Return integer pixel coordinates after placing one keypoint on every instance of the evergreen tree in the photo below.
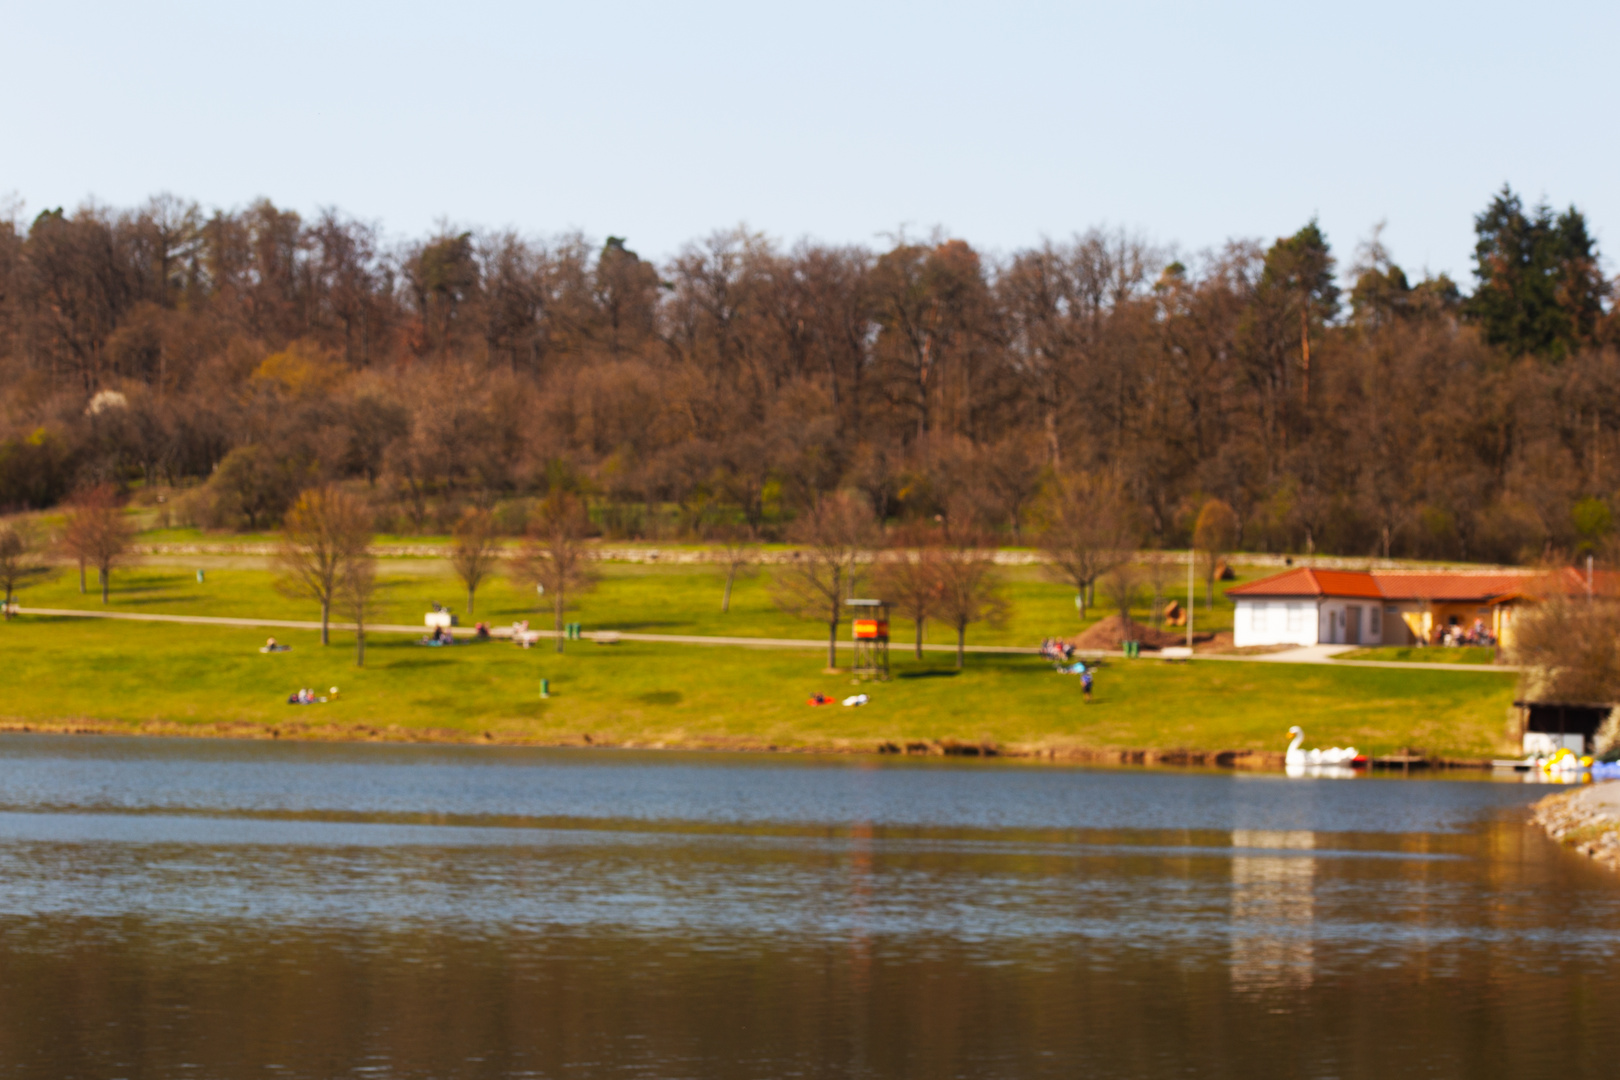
(1297, 285)
(1540, 290)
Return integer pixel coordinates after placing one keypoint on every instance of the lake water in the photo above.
(218, 909)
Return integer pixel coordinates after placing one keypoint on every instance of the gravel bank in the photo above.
(1587, 819)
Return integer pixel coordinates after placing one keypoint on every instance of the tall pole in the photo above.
(1192, 597)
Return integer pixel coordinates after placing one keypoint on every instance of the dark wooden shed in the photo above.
(1563, 718)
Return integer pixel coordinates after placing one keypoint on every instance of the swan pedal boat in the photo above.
(1343, 756)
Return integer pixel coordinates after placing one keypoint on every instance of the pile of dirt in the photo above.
(1110, 635)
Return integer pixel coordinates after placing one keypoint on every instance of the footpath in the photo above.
(1317, 654)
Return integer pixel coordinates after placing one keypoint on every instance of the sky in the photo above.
(1002, 124)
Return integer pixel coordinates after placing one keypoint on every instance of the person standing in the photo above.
(1085, 684)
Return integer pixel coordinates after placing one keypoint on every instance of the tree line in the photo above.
(235, 359)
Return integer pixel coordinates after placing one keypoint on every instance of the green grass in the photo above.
(1464, 654)
(124, 676)
(137, 676)
(646, 598)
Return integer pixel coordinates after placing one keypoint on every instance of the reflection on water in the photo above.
(174, 909)
(1273, 909)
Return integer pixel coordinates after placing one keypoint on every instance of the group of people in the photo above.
(442, 636)
(306, 696)
(1061, 654)
(1058, 651)
(1457, 634)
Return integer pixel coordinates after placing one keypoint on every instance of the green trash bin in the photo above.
(1133, 649)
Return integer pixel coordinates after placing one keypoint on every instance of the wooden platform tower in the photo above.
(870, 629)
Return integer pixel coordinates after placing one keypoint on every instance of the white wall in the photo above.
(1274, 622)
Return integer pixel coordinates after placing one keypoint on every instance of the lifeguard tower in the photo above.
(870, 630)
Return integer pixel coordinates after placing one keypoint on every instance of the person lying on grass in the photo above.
(271, 645)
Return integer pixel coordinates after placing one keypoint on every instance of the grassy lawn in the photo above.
(1463, 654)
(123, 676)
(647, 598)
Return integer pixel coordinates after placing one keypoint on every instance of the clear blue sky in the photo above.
(1000, 123)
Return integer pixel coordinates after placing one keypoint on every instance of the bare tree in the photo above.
(474, 550)
(19, 562)
(969, 590)
(1009, 474)
(837, 535)
(356, 588)
(556, 557)
(1122, 587)
(1214, 535)
(1161, 572)
(1087, 531)
(1569, 649)
(96, 534)
(739, 547)
(326, 530)
(909, 577)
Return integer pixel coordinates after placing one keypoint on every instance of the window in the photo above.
(1257, 616)
(1375, 621)
(1296, 618)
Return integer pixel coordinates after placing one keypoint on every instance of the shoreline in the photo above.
(1227, 760)
(1586, 819)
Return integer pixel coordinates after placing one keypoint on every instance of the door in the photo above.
(1352, 625)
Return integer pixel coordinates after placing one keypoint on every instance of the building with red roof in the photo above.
(1311, 606)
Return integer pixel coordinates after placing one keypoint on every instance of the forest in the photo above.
(233, 358)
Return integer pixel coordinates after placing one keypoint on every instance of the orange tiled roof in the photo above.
(1307, 581)
(1432, 586)
(1401, 585)
(1412, 585)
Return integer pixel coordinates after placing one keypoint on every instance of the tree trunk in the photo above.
(469, 599)
(359, 645)
(104, 573)
(326, 619)
(919, 638)
(1305, 349)
(832, 644)
(82, 589)
(557, 601)
(961, 643)
(725, 602)
(8, 605)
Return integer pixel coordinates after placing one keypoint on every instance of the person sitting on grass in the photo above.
(270, 645)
